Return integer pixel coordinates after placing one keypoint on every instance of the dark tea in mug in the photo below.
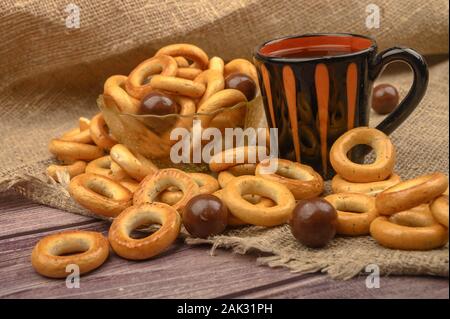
(316, 87)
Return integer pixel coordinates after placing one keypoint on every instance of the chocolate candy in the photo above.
(384, 99)
(314, 222)
(205, 215)
(157, 103)
(243, 83)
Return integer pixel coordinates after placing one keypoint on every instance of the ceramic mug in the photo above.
(315, 87)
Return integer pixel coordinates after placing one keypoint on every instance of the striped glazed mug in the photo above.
(315, 87)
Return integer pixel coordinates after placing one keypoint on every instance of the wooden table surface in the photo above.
(181, 272)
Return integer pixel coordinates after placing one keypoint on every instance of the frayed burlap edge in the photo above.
(343, 259)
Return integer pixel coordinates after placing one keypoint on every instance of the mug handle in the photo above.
(418, 88)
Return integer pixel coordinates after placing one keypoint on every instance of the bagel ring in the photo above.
(100, 194)
(137, 166)
(242, 169)
(131, 218)
(181, 62)
(256, 200)
(104, 166)
(439, 209)
(130, 184)
(100, 132)
(234, 156)
(189, 51)
(188, 73)
(417, 235)
(411, 193)
(214, 82)
(84, 123)
(153, 185)
(300, 179)
(73, 170)
(340, 185)
(216, 64)
(135, 84)
(222, 99)
(178, 86)
(206, 183)
(74, 150)
(114, 92)
(355, 212)
(241, 66)
(77, 135)
(379, 170)
(90, 250)
(260, 216)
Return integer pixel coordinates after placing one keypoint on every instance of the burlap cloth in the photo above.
(50, 75)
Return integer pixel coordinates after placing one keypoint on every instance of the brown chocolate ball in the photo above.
(384, 99)
(314, 222)
(243, 83)
(157, 103)
(205, 215)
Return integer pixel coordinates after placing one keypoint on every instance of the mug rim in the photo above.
(257, 54)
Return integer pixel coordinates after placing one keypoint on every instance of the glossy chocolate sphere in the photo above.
(243, 83)
(384, 99)
(205, 215)
(314, 222)
(157, 103)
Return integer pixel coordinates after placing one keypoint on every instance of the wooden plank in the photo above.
(182, 272)
(317, 286)
(20, 216)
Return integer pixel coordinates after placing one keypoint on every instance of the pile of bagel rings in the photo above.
(114, 182)
(372, 199)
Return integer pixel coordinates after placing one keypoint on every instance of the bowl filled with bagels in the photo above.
(180, 84)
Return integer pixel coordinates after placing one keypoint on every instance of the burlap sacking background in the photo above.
(50, 75)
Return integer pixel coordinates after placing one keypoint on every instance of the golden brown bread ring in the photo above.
(239, 170)
(144, 214)
(84, 123)
(135, 84)
(411, 193)
(216, 64)
(241, 66)
(130, 184)
(104, 166)
(77, 135)
(100, 132)
(100, 194)
(234, 156)
(181, 62)
(222, 99)
(74, 151)
(214, 82)
(340, 185)
(73, 169)
(206, 183)
(416, 237)
(189, 51)
(256, 215)
(355, 212)
(188, 73)
(439, 209)
(153, 185)
(300, 179)
(116, 97)
(178, 86)
(137, 166)
(89, 250)
(379, 170)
